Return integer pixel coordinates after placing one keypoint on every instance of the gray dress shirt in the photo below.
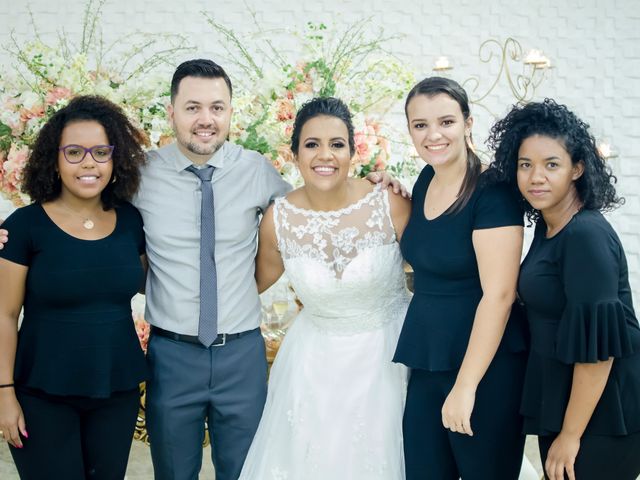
(244, 183)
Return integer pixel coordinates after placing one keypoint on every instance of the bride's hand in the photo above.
(457, 408)
(387, 180)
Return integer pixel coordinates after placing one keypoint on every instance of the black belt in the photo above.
(220, 340)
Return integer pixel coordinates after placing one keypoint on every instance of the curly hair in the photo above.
(596, 185)
(41, 180)
(327, 106)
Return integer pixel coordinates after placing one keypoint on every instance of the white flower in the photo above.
(30, 99)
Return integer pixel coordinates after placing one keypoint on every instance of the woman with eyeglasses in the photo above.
(69, 376)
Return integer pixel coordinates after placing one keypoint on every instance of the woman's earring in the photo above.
(113, 179)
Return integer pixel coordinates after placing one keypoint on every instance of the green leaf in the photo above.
(5, 130)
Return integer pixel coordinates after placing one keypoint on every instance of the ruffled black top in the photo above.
(447, 286)
(77, 336)
(575, 288)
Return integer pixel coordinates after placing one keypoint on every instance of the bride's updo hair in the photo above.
(327, 106)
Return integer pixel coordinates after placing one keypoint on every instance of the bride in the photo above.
(335, 402)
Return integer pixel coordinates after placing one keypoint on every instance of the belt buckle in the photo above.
(221, 344)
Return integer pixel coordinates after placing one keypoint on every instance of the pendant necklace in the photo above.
(87, 223)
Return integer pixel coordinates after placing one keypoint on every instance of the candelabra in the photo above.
(534, 67)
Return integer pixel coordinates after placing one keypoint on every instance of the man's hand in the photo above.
(388, 180)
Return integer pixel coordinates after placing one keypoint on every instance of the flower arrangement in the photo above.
(350, 66)
(45, 77)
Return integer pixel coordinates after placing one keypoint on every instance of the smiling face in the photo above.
(87, 179)
(438, 128)
(323, 152)
(200, 115)
(546, 175)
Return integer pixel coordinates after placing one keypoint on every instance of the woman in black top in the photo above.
(582, 387)
(464, 241)
(69, 377)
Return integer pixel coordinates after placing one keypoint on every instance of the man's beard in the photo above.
(203, 149)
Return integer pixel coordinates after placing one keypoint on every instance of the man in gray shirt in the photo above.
(224, 384)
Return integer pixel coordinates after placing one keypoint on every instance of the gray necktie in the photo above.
(208, 322)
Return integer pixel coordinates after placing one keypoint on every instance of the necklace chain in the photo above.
(87, 223)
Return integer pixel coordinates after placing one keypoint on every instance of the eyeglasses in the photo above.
(76, 153)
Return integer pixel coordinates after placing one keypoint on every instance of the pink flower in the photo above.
(363, 145)
(381, 160)
(36, 111)
(11, 172)
(277, 163)
(57, 93)
(285, 110)
(285, 153)
(363, 151)
(16, 160)
(284, 156)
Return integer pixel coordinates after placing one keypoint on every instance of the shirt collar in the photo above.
(181, 162)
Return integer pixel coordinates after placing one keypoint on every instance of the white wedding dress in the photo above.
(335, 402)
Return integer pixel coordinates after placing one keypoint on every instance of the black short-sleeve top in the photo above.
(447, 286)
(77, 336)
(575, 288)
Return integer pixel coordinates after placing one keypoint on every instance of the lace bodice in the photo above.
(344, 265)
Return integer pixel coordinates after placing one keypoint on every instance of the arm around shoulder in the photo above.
(400, 208)
(269, 182)
(269, 266)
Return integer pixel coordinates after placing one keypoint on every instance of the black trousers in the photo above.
(496, 448)
(76, 438)
(601, 456)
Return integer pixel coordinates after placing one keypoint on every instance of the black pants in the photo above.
(495, 450)
(76, 438)
(601, 456)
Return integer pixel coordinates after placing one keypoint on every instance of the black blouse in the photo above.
(576, 291)
(77, 336)
(447, 286)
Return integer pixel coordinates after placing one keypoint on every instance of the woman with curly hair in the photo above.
(582, 386)
(69, 377)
